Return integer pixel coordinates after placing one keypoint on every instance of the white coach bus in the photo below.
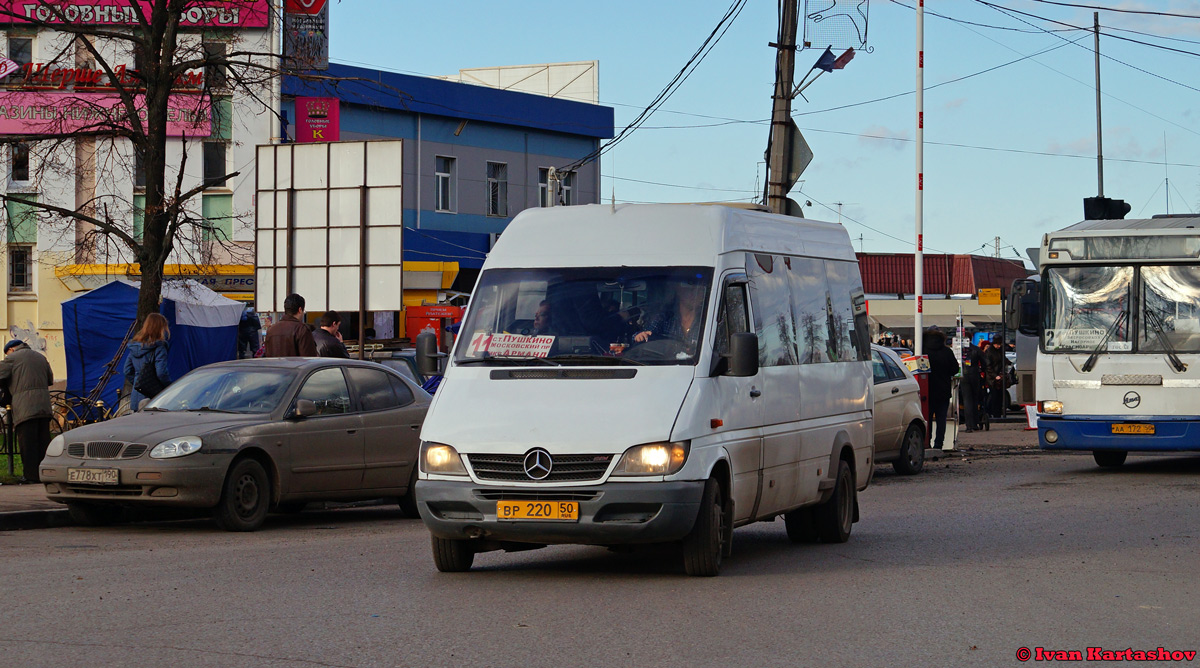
(1118, 366)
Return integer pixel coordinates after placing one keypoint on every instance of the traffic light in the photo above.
(1103, 208)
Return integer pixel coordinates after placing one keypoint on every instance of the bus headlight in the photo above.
(653, 459)
(440, 458)
(1052, 407)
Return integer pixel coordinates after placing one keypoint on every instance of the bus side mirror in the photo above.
(428, 356)
(743, 355)
(1022, 312)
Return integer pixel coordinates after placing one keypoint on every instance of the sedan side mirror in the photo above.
(743, 354)
(142, 404)
(304, 408)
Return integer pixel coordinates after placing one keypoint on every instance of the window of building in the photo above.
(217, 145)
(18, 168)
(22, 218)
(20, 268)
(139, 170)
(218, 217)
(20, 50)
(215, 76)
(567, 189)
(543, 186)
(497, 189)
(444, 184)
(139, 216)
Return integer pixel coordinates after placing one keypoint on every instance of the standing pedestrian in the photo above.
(28, 376)
(290, 337)
(942, 369)
(328, 336)
(994, 363)
(972, 387)
(146, 367)
(248, 333)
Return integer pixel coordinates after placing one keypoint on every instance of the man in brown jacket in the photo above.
(28, 376)
(290, 337)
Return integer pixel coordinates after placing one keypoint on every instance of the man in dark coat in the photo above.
(29, 377)
(290, 337)
(248, 336)
(971, 388)
(994, 368)
(942, 368)
(328, 338)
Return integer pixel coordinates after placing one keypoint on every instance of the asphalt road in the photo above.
(962, 565)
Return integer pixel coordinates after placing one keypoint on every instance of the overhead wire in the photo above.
(1146, 12)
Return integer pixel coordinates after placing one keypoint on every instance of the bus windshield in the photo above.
(1082, 305)
(1170, 298)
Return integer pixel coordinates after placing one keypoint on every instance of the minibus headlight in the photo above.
(653, 459)
(440, 458)
(1054, 407)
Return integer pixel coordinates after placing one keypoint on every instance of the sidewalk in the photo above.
(26, 507)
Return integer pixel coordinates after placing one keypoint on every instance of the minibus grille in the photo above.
(566, 468)
(571, 374)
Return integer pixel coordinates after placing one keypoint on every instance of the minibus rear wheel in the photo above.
(835, 517)
(705, 545)
(452, 556)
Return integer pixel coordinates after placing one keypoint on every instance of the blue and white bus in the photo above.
(1118, 362)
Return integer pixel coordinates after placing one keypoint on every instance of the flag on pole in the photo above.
(826, 61)
(843, 59)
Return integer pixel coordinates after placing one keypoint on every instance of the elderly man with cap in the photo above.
(28, 377)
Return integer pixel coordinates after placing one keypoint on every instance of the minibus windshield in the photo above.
(586, 315)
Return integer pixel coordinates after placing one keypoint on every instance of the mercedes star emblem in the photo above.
(538, 464)
(1131, 400)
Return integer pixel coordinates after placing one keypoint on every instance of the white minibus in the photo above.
(636, 374)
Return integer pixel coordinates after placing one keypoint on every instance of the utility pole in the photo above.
(1099, 134)
(781, 113)
(997, 247)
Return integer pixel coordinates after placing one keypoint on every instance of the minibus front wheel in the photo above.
(705, 545)
(452, 556)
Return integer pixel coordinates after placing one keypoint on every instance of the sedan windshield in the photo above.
(586, 315)
(225, 390)
(1085, 307)
(1170, 309)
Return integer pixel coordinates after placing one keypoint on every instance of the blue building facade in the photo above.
(474, 156)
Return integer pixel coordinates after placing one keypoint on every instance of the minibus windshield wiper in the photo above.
(1103, 345)
(507, 361)
(1156, 322)
(601, 359)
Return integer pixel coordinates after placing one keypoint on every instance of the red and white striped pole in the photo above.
(919, 258)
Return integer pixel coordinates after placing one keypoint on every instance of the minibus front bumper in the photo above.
(609, 514)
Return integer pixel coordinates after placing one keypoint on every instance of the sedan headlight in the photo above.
(56, 446)
(1054, 407)
(653, 459)
(440, 458)
(176, 447)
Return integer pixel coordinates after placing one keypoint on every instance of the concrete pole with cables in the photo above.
(781, 113)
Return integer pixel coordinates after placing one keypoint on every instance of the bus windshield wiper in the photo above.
(1103, 345)
(599, 359)
(1156, 322)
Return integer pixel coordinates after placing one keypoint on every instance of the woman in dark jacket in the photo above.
(148, 354)
(942, 368)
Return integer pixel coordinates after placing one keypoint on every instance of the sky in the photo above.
(1010, 150)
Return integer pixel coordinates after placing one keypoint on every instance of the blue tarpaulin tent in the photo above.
(204, 329)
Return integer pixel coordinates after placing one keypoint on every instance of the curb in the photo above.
(34, 519)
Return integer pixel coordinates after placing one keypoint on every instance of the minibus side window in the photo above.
(810, 294)
(731, 317)
(841, 323)
(772, 301)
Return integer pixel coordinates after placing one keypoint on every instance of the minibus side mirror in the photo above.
(743, 355)
(428, 356)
